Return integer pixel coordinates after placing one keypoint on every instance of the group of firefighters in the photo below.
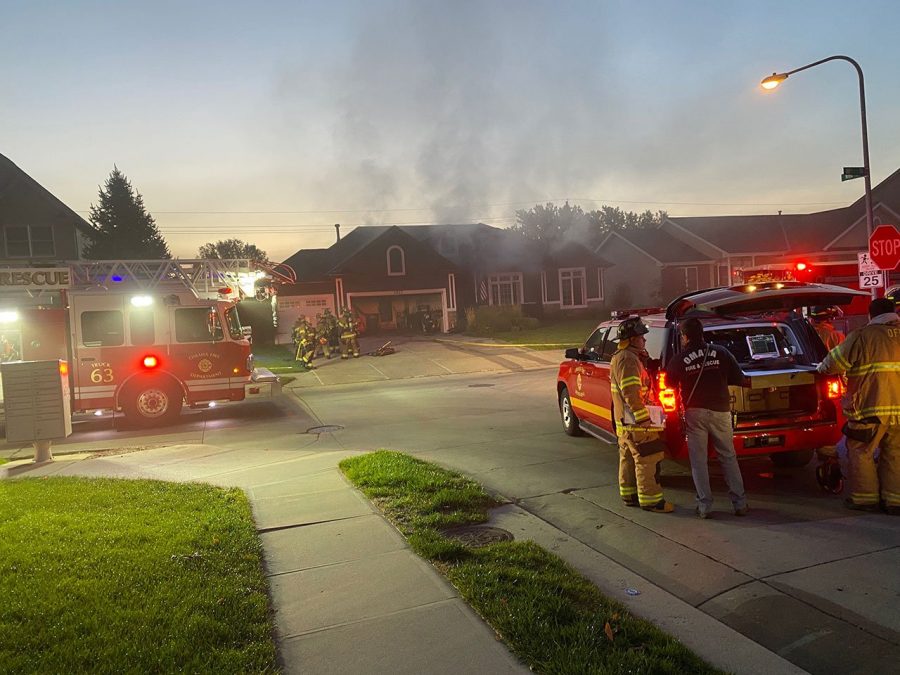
(330, 335)
(869, 361)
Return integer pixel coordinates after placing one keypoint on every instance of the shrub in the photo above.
(490, 319)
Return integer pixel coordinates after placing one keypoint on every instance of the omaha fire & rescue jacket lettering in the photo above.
(870, 356)
(630, 384)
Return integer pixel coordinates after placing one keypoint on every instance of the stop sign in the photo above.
(884, 247)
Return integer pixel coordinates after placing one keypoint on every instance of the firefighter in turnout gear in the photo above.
(822, 317)
(323, 342)
(640, 450)
(349, 341)
(332, 330)
(305, 341)
(870, 357)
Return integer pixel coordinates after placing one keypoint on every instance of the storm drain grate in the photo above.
(479, 386)
(476, 536)
(325, 429)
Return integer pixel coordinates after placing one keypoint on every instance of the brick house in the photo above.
(388, 273)
(657, 264)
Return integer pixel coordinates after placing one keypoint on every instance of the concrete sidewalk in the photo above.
(349, 595)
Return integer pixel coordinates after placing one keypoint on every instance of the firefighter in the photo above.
(349, 341)
(870, 356)
(640, 450)
(306, 342)
(822, 321)
(323, 343)
(332, 331)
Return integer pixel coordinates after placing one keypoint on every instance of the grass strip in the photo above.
(571, 333)
(106, 575)
(277, 358)
(553, 618)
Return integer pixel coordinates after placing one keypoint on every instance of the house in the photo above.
(389, 273)
(38, 230)
(655, 265)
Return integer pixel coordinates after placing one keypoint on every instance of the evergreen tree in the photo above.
(124, 229)
(232, 249)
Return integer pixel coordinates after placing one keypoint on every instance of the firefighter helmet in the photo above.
(823, 313)
(829, 475)
(632, 327)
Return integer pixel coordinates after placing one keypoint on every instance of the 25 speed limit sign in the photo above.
(869, 274)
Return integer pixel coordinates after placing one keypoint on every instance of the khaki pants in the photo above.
(868, 482)
(637, 474)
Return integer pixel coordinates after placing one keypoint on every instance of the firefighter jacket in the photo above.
(630, 384)
(830, 336)
(870, 357)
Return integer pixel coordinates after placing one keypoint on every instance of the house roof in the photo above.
(470, 245)
(13, 179)
(661, 245)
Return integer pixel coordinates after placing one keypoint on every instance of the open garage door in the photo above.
(401, 311)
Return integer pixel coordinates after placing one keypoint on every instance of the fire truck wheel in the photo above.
(794, 458)
(152, 403)
(569, 420)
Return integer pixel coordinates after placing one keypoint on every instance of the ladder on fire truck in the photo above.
(208, 277)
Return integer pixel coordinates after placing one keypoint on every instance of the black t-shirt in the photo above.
(721, 370)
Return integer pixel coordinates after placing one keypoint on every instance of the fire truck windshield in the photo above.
(233, 321)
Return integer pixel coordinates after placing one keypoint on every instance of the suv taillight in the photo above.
(834, 388)
(667, 397)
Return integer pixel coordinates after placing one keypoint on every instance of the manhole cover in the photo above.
(477, 536)
(324, 429)
(479, 386)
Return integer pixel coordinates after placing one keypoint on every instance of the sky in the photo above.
(271, 121)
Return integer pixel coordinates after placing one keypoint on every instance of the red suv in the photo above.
(790, 409)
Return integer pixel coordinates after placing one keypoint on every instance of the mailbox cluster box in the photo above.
(36, 398)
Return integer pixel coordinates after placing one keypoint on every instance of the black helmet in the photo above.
(829, 476)
(821, 312)
(631, 327)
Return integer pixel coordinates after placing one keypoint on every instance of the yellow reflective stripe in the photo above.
(649, 499)
(873, 410)
(888, 493)
(634, 379)
(877, 367)
(839, 358)
(627, 491)
(598, 410)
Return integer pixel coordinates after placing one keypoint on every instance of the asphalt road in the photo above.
(802, 576)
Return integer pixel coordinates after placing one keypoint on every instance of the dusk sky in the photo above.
(271, 121)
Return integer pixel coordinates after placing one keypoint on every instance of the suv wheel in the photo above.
(794, 458)
(569, 419)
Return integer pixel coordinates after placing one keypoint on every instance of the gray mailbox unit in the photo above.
(38, 407)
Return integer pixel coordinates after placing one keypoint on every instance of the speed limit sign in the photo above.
(869, 274)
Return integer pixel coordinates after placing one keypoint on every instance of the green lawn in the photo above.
(554, 619)
(557, 335)
(277, 358)
(104, 575)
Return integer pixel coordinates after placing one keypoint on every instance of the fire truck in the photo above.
(144, 337)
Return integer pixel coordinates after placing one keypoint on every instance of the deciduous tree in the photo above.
(232, 249)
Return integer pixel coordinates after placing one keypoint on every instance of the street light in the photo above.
(776, 79)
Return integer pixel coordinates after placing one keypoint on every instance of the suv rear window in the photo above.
(656, 339)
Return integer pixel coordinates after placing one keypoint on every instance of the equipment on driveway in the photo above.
(383, 350)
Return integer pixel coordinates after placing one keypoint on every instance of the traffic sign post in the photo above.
(884, 247)
(869, 275)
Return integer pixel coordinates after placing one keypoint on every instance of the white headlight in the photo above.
(8, 316)
(142, 301)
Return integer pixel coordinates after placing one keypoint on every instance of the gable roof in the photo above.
(474, 246)
(659, 244)
(14, 180)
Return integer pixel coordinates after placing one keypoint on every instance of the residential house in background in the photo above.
(389, 273)
(655, 265)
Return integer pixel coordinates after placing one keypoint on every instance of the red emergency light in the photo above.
(801, 266)
(150, 362)
(667, 396)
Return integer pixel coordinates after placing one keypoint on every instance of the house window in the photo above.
(396, 262)
(599, 283)
(571, 287)
(29, 241)
(686, 279)
(506, 289)
(451, 284)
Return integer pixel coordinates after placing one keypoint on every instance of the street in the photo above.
(802, 576)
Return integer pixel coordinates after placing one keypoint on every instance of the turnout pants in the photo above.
(869, 482)
(637, 473)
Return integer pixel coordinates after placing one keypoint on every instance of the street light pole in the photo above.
(777, 78)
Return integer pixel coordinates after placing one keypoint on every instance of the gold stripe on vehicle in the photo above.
(599, 410)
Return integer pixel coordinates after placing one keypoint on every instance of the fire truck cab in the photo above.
(147, 338)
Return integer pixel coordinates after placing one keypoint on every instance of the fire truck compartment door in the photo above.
(763, 297)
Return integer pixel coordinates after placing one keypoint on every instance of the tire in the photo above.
(152, 403)
(567, 414)
(792, 459)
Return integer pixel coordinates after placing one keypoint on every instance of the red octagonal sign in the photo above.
(884, 247)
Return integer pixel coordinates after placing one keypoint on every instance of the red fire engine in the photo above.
(146, 337)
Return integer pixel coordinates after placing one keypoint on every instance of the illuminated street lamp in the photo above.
(775, 79)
